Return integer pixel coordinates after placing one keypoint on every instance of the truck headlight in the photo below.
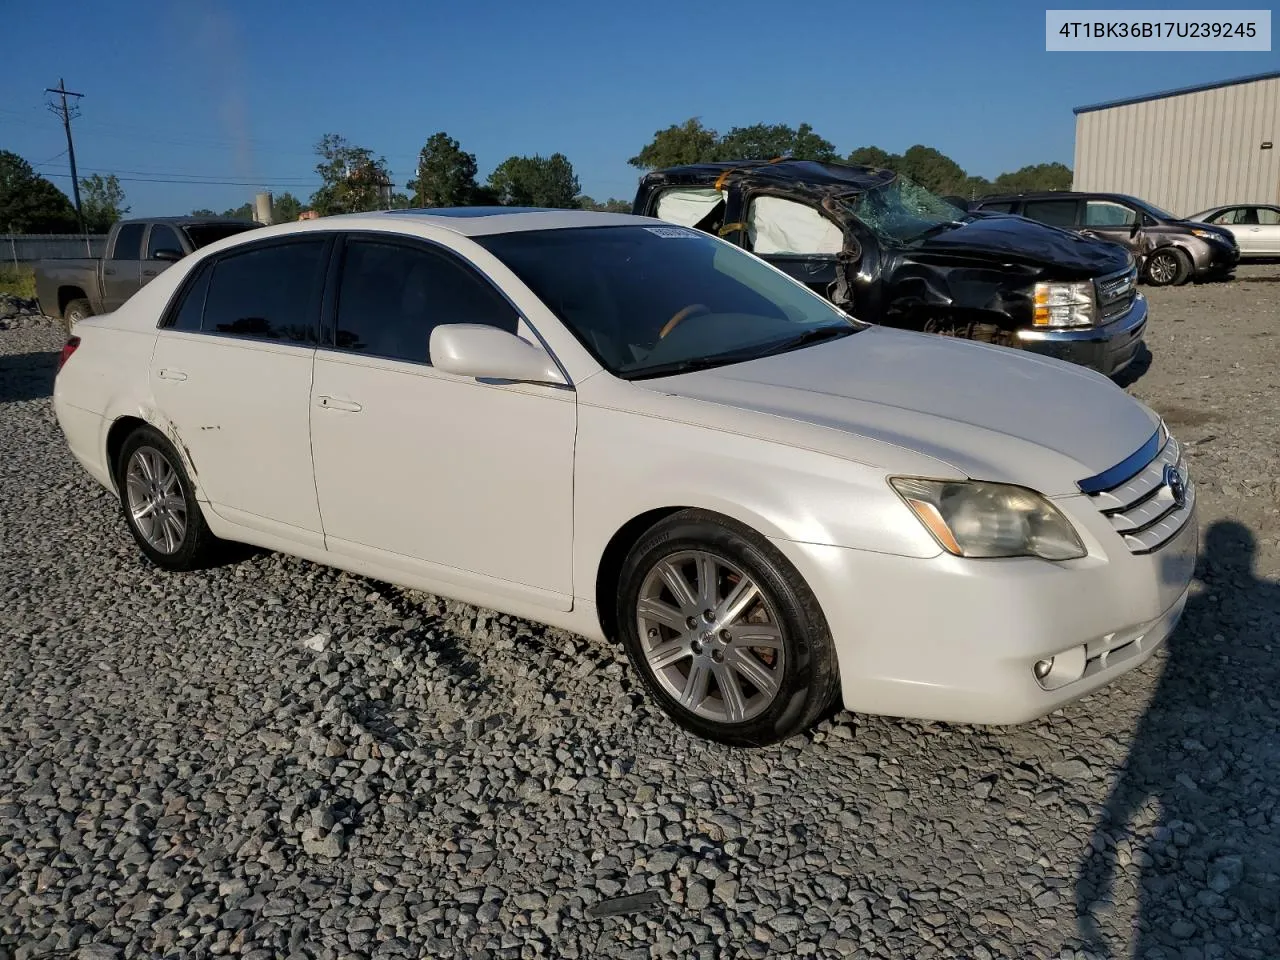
(974, 519)
(1064, 305)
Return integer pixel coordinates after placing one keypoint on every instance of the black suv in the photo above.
(888, 251)
(1170, 250)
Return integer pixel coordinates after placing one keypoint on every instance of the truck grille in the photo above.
(1115, 294)
(1150, 505)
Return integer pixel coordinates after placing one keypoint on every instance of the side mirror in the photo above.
(168, 254)
(487, 353)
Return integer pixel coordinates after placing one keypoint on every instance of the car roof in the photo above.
(474, 221)
(190, 220)
(834, 177)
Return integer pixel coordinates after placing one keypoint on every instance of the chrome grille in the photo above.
(1115, 293)
(1143, 507)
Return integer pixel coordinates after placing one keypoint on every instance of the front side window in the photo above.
(1104, 213)
(1003, 206)
(128, 242)
(776, 225)
(392, 295)
(1056, 213)
(162, 238)
(203, 234)
(652, 301)
(267, 293)
(901, 211)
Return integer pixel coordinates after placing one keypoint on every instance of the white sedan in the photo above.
(644, 434)
(1256, 227)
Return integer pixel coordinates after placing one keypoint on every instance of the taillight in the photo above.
(68, 349)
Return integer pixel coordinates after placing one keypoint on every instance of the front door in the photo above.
(122, 268)
(231, 372)
(1113, 221)
(795, 237)
(465, 481)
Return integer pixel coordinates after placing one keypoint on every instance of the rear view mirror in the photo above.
(167, 254)
(484, 352)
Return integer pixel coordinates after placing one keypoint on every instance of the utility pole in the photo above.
(65, 113)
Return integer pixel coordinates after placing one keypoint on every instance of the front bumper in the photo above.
(957, 640)
(1107, 349)
(1217, 260)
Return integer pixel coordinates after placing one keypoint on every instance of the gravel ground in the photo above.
(274, 759)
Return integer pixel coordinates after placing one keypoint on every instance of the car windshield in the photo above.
(203, 234)
(652, 301)
(902, 212)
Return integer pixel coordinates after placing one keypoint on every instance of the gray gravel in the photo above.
(274, 759)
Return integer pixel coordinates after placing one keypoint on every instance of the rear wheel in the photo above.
(726, 636)
(159, 503)
(1168, 267)
(76, 311)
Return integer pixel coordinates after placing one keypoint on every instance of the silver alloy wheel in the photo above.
(1163, 268)
(156, 503)
(710, 636)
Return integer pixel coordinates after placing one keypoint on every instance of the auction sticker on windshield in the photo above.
(675, 233)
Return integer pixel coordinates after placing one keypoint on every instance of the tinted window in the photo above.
(393, 295)
(1059, 213)
(1104, 213)
(128, 242)
(203, 234)
(162, 238)
(267, 293)
(191, 308)
(1001, 207)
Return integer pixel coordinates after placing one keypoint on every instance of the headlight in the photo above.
(974, 519)
(1064, 305)
(1210, 235)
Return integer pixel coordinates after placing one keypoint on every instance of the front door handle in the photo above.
(167, 374)
(333, 403)
(148, 273)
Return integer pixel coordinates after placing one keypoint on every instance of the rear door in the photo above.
(1261, 232)
(160, 237)
(122, 269)
(1057, 212)
(231, 372)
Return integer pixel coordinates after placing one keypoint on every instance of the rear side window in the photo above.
(190, 310)
(267, 293)
(393, 295)
(1005, 206)
(1268, 217)
(128, 242)
(1057, 213)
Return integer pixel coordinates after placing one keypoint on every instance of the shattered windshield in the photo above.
(901, 211)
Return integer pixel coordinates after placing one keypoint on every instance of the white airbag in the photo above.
(687, 206)
(776, 225)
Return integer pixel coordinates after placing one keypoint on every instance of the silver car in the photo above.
(1256, 227)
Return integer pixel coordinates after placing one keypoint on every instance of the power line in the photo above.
(62, 110)
(210, 183)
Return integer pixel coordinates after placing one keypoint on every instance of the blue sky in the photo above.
(232, 90)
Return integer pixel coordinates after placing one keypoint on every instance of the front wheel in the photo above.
(1168, 267)
(726, 636)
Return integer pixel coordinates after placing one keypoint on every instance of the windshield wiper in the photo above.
(687, 366)
(815, 335)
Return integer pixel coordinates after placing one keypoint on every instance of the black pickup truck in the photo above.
(890, 252)
(137, 251)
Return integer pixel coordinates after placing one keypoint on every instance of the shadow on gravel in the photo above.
(1203, 775)
(1140, 364)
(26, 376)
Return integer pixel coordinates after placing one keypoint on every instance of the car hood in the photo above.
(991, 413)
(1025, 241)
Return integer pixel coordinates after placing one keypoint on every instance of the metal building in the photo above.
(1185, 150)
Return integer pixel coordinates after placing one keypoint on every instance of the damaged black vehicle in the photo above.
(888, 251)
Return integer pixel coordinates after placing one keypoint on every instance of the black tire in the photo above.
(1167, 267)
(75, 311)
(806, 678)
(197, 547)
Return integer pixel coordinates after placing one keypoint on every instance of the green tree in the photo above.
(932, 169)
(204, 212)
(609, 206)
(1040, 176)
(875, 157)
(536, 182)
(29, 203)
(285, 208)
(688, 142)
(446, 174)
(101, 202)
(765, 141)
(352, 179)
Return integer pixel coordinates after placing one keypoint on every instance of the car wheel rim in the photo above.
(1162, 268)
(711, 637)
(156, 504)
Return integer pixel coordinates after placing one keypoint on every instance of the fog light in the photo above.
(1042, 668)
(1064, 667)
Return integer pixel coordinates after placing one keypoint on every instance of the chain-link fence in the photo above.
(25, 248)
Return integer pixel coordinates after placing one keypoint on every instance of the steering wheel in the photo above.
(681, 316)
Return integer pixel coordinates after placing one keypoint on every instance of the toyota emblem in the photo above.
(1177, 486)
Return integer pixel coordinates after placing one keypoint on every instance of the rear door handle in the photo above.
(333, 403)
(166, 374)
(148, 273)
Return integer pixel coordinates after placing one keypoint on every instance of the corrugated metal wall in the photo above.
(1185, 152)
(29, 247)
